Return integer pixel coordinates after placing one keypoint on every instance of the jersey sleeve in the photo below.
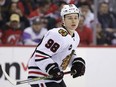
(51, 44)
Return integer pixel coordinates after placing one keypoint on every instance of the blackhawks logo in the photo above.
(63, 32)
(66, 60)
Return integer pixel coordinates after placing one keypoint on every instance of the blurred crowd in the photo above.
(24, 22)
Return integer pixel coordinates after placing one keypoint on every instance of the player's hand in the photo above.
(54, 70)
(78, 67)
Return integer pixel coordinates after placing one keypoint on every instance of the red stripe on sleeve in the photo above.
(40, 56)
(40, 73)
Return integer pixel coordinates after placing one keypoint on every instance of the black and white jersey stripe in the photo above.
(35, 71)
(39, 56)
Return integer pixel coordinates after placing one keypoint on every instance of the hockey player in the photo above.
(57, 51)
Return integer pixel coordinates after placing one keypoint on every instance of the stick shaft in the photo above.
(14, 82)
(38, 78)
(67, 72)
(33, 79)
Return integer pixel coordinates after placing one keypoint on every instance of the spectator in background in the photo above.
(0, 36)
(42, 11)
(34, 34)
(56, 13)
(105, 17)
(4, 6)
(15, 9)
(89, 2)
(86, 11)
(107, 20)
(103, 37)
(26, 6)
(85, 33)
(11, 31)
(59, 23)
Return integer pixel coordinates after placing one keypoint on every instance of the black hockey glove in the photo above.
(54, 70)
(78, 67)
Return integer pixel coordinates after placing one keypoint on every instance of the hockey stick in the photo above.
(14, 82)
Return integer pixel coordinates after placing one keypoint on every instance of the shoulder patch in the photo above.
(63, 32)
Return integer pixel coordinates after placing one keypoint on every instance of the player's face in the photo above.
(71, 21)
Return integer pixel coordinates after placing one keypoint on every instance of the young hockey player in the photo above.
(57, 51)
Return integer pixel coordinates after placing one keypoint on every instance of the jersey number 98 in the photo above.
(52, 45)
